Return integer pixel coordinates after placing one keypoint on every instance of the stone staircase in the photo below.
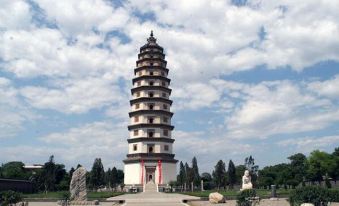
(150, 187)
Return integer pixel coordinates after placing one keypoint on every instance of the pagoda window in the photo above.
(151, 73)
(151, 83)
(151, 106)
(138, 94)
(165, 132)
(151, 94)
(151, 120)
(165, 119)
(150, 149)
(164, 94)
(139, 83)
(166, 147)
(151, 56)
(137, 106)
(150, 133)
(163, 84)
(162, 73)
(135, 147)
(164, 106)
(136, 119)
(136, 132)
(140, 73)
(151, 63)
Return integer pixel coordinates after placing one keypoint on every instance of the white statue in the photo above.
(246, 181)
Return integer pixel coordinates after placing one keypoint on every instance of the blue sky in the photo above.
(252, 77)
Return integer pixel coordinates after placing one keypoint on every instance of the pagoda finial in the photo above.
(151, 39)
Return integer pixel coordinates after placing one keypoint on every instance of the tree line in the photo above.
(220, 178)
(54, 177)
(319, 167)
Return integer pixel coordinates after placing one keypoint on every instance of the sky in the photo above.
(249, 77)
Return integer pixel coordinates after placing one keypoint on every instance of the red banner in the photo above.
(160, 171)
(142, 172)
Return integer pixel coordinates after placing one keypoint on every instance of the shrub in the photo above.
(245, 197)
(10, 197)
(334, 196)
(311, 194)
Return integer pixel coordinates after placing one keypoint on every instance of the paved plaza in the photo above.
(153, 198)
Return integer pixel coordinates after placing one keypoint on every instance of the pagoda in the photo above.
(150, 158)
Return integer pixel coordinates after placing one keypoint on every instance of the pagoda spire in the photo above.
(151, 39)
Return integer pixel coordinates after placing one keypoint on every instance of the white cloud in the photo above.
(12, 110)
(281, 107)
(195, 95)
(74, 96)
(78, 145)
(75, 17)
(14, 14)
(308, 144)
(208, 148)
(328, 88)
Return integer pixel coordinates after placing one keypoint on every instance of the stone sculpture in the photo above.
(216, 198)
(246, 181)
(78, 185)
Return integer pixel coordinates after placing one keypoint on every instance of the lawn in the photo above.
(231, 194)
(60, 195)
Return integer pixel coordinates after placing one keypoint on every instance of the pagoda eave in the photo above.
(149, 125)
(153, 112)
(148, 77)
(141, 88)
(151, 47)
(149, 139)
(151, 59)
(150, 99)
(151, 52)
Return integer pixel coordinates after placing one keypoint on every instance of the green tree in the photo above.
(189, 175)
(298, 166)
(195, 170)
(120, 176)
(239, 171)
(14, 170)
(108, 177)
(266, 177)
(335, 172)
(219, 174)
(206, 177)
(320, 164)
(231, 172)
(71, 171)
(252, 168)
(49, 175)
(208, 181)
(97, 174)
(181, 178)
(114, 177)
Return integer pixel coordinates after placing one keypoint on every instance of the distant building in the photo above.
(33, 168)
(24, 186)
(150, 155)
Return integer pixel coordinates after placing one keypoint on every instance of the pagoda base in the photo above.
(137, 173)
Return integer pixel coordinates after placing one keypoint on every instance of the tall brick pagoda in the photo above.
(150, 157)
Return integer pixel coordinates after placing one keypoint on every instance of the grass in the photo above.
(60, 195)
(262, 193)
